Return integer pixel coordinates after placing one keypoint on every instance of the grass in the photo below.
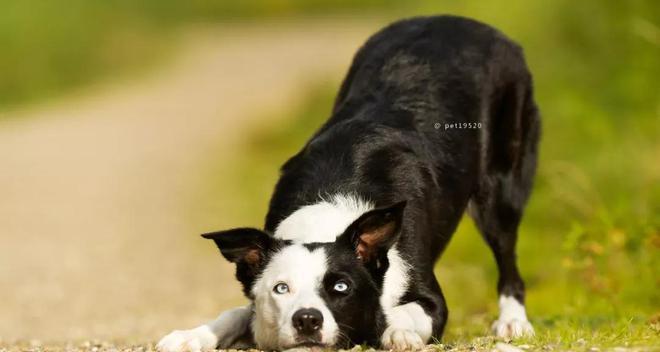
(590, 240)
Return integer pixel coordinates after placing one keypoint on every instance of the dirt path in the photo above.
(94, 238)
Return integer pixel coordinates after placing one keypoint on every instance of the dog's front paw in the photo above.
(194, 340)
(512, 328)
(401, 340)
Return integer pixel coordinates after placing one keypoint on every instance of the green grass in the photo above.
(589, 245)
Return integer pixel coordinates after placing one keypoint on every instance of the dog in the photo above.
(436, 117)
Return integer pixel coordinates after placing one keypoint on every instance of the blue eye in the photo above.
(281, 288)
(340, 286)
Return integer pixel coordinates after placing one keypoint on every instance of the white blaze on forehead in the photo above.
(302, 271)
(295, 265)
(322, 221)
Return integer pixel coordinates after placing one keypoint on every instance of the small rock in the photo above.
(356, 348)
(429, 348)
(297, 349)
(505, 347)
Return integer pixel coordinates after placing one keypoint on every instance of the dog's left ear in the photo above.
(375, 232)
(242, 245)
(248, 248)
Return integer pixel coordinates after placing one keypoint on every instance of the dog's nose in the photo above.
(307, 321)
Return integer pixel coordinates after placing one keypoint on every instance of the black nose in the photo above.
(307, 321)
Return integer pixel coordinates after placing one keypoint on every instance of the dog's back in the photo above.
(445, 72)
(441, 100)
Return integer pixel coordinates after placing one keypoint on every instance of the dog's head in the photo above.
(323, 294)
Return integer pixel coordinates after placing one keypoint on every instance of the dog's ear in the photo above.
(375, 232)
(246, 247)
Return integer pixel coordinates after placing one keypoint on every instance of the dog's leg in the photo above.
(497, 207)
(497, 219)
(507, 171)
(413, 314)
(222, 332)
(501, 234)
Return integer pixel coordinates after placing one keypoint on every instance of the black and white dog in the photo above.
(435, 116)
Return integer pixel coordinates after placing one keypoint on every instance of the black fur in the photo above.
(390, 139)
(381, 143)
(357, 313)
(250, 249)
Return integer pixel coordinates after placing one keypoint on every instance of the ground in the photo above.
(98, 188)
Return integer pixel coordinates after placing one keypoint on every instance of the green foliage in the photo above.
(51, 45)
(47, 47)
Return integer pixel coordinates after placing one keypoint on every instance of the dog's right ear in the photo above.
(375, 232)
(247, 246)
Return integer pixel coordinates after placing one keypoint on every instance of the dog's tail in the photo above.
(514, 129)
(509, 142)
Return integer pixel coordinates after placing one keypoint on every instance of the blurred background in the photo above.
(127, 128)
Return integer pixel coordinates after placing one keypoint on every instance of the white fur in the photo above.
(221, 332)
(303, 272)
(513, 319)
(401, 339)
(322, 221)
(408, 326)
(396, 279)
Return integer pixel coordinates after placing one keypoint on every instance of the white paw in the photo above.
(194, 340)
(401, 340)
(512, 328)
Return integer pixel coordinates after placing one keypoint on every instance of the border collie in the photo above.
(435, 117)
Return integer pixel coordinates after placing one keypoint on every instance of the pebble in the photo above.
(505, 347)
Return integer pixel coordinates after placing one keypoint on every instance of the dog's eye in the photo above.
(340, 286)
(281, 288)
